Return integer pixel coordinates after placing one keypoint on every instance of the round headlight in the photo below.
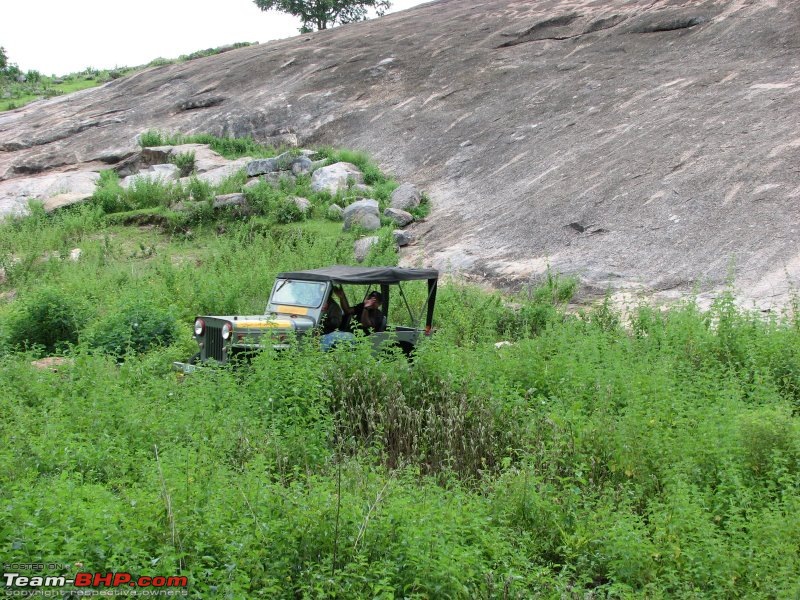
(199, 327)
(227, 329)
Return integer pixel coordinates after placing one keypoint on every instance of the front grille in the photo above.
(214, 342)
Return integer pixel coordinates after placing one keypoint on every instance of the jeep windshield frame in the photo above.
(293, 292)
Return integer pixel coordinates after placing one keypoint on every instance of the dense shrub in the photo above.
(49, 318)
(137, 327)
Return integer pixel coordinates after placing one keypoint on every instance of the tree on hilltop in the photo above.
(321, 14)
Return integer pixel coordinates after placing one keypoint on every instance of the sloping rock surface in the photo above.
(639, 144)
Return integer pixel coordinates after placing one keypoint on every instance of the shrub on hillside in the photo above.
(48, 319)
(138, 327)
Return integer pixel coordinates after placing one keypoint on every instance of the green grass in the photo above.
(228, 147)
(655, 455)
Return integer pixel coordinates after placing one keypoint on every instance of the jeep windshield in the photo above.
(298, 293)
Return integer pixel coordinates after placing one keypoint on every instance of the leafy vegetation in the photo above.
(321, 14)
(18, 88)
(599, 455)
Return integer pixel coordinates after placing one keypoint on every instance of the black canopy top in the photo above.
(363, 275)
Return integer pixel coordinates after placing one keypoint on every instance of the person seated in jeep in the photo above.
(368, 313)
(332, 314)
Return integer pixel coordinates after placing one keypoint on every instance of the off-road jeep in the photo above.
(296, 308)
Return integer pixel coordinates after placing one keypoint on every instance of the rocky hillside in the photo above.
(644, 145)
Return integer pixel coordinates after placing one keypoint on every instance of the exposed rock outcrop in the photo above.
(670, 128)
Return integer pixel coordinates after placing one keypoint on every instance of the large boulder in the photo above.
(405, 197)
(54, 190)
(363, 213)
(336, 177)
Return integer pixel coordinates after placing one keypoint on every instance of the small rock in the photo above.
(276, 177)
(75, 254)
(363, 213)
(363, 245)
(301, 165)
(335, 212)
(51, 362)
(252, 183)
(402, 237)
(154, 155)
(363, 189)
(8, 296)
(503, 344)
(225, 200)
(400, 217)
(405, 197)
(336, 177)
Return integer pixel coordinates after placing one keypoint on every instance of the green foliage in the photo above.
(185, 162)
(321, 14)
(288, 212)
(48, 319)
(212, 51)
(651, 453)
(228, 147)
(137, 327)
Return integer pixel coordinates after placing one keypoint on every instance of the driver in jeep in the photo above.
(367, 313)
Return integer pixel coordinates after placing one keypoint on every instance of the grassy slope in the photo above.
(658, 459)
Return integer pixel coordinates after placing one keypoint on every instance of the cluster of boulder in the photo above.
(363, 213)
(164, 164)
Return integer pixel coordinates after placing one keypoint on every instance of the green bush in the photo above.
(287, 211)
(185, 162)
(137, 327)
(49, 319)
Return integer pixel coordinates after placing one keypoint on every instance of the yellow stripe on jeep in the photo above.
(291, 310)
(285, 324)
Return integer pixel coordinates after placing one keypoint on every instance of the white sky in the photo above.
(57, 37)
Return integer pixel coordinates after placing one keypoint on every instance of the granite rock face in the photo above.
(668, 130)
